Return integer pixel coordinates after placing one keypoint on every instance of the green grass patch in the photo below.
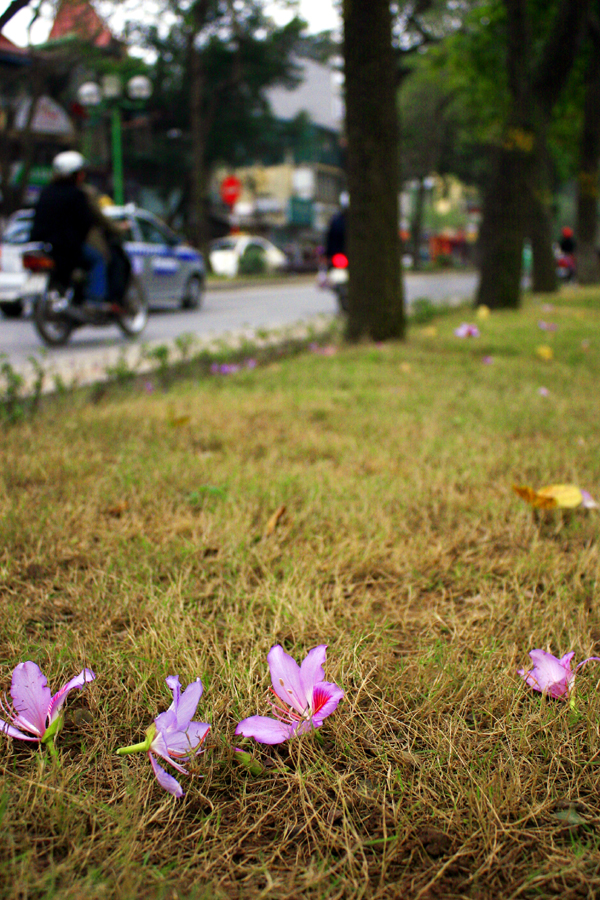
(134, 539)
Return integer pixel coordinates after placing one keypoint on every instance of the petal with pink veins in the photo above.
(31, 697)
(265, 730)
(325, 699)
(84, 677)
(190, 741)
(12, 732)
(159, 746)
(589, 659)
(286, 678)
(165, 780)
(311, 670)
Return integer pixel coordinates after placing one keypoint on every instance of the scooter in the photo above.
(61, 307)
(336, 280)
(566, 267)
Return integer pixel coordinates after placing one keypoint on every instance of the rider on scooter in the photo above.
(67, 217)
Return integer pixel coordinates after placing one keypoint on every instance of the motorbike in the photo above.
(336, 280)
(565, 267)
(61, 307)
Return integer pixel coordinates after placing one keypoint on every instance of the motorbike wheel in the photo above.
(133, 321)
(49, 317)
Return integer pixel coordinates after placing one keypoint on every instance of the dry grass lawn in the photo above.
(132, 540)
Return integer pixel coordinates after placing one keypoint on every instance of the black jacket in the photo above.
(336, 235)
(63, 218)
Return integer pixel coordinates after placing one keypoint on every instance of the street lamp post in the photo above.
(90, 94)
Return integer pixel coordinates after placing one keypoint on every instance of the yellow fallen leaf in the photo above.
(178, 421)
(544, 352)
(429, 331)
(533, 498)
(562, 496)
(567, 496)
(274, 521)
(483, 312)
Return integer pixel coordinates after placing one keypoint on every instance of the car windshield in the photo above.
(223, 244)
(17, 232)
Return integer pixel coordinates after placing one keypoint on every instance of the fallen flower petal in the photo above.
(305, 699)
(173, 736)
(588, 501)
(547, 326)
(466, 330)
(550, 675)
(543, 391)
(36, 715)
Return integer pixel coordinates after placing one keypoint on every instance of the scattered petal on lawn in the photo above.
(543, 391)
(304, 698)
(483, 312)
(588, 501)
(173, 736)
(34, 709)
(550, 675)
(466, 330)
(547, 326)
(563, 496)
(487, 360)
(544, 352)
(148, 387)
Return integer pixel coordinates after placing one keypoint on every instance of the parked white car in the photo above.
(17, 285)
(225, 254)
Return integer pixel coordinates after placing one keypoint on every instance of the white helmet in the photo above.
(67, 163)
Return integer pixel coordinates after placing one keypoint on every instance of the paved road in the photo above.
(224, 310)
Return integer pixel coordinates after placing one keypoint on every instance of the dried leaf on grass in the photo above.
(118, 509)
(274, 521)
(562, 496)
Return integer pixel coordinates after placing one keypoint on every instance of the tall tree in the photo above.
(375, 297)
(518, 199)
(212, 69)
(588, 263)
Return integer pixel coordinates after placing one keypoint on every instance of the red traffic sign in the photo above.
(231, 188)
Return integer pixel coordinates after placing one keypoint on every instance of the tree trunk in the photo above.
(540, 218)
(503, 230)
(416, 224)
(375, 296)
(199, 179)
(588, 262)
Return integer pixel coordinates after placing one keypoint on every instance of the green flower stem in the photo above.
(143, 747)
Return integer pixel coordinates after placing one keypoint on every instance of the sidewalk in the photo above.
(106, 363)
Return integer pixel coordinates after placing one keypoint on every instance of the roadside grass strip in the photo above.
(358, 498)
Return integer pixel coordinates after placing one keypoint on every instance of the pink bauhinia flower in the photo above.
(551, 675)
(34, 709)
(304, 698)
(466, 330)
(173, 736)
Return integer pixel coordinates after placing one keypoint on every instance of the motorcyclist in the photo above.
(67, 217)
(336, 233)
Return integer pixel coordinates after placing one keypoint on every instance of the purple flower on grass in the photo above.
(547, 326)
(550, 675)
(173, 736)
(304, 698)
(543, 391)
(487, 360)
(587, 500)
(34, 709)
(466, 330)
(251, 363)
